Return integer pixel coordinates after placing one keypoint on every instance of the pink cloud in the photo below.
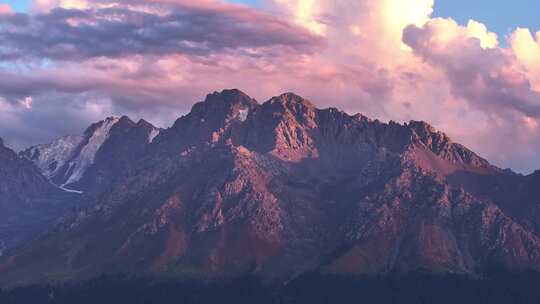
(5, 9)
(526, 47)
(360, 56)
(490, 80)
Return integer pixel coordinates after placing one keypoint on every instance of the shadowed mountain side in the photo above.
(30, 204)
(281, 188)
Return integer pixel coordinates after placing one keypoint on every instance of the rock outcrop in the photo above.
(281, 188)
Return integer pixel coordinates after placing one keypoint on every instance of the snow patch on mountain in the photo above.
(243, 114)
(86, 157)
(70, 190)
(50, 158)
(153, 134)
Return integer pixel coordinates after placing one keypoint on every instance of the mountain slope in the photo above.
(283, 188)
(29, 202)
(89, 161)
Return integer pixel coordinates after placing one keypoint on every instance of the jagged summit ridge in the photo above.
(281, 188)
(66, 161)
(222, 105)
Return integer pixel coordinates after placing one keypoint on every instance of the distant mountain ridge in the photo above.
(29, 202)
(67, 161)
(279, 189)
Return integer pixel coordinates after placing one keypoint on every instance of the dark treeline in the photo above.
(308, 289)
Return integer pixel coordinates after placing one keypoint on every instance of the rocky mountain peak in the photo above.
(291, 109)
(77, 161)
(145, 124)
(429, 136)
(121, 124)
(421, 127)
(293, 103)
(124, 119)
(284, 188)
(292, 100)
(442, 146)
(209, 120)
(116, 118)
(125, 126)
(219, 108)
(226, 102)
(230, 96)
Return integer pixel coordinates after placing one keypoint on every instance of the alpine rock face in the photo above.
(276, 190)
(72, 162)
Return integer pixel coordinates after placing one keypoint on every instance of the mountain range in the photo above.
(274, 190)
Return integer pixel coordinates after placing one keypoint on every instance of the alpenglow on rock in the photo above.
(282, 188)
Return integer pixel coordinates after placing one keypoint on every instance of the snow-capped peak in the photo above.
(65, 162)
(86, 157)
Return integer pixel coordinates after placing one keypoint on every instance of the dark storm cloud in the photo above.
(114, 32)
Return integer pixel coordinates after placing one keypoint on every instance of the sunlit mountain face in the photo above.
(438, 61)
(376, 151)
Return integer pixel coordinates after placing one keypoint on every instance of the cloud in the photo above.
(45, 5)
(457, 77)
(371, 29)
(389, 59)
(489, 79)
(527, 50)
(117, 31)
(5, 9)
(21, 126)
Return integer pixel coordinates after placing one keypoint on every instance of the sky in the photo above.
(20, 5)
(502, 17)
(472, 70)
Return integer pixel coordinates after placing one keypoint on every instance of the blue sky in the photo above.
(19, 5)
(499, 16)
